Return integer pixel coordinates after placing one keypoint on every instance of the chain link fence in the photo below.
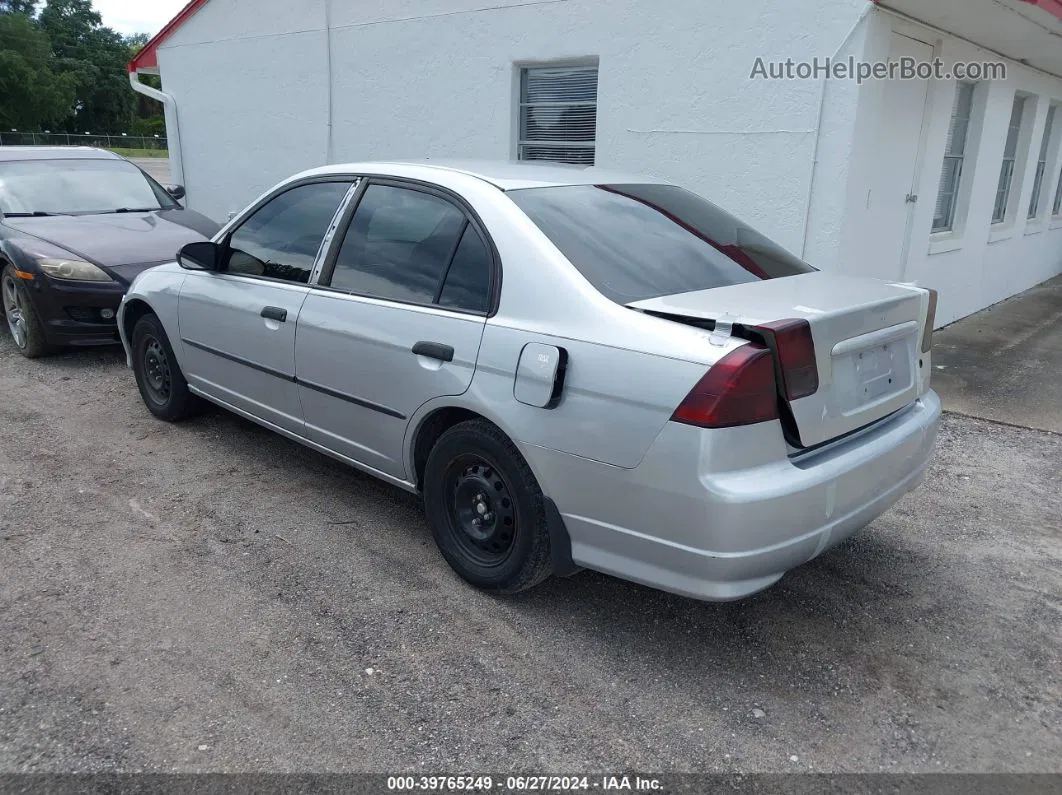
(153, 143)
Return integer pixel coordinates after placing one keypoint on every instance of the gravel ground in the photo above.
(213, 597)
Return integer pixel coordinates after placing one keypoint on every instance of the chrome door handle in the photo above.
(275, 313)
(434, 350)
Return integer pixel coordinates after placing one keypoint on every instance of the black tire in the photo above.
(22, 320)
(474, 464)
(158, 376)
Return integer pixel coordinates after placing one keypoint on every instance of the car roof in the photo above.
(55, 153)
(504, 174)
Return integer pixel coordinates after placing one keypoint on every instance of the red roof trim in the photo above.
(1053, 7)
(1050, 6)
(147, 58)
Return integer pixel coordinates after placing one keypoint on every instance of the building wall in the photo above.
(249, 79)
(979, 263)
(268, 88)
(438, 78)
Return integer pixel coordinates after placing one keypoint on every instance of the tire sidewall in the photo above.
(36, 344)
(147, 328)
(451, 446)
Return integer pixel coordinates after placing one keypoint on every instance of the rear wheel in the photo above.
(158, 376)
(22, 320)
(486, 510)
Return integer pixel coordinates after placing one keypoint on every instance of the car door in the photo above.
(237, 324)
(394, 321)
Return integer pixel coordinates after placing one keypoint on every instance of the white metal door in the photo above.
(893, 186)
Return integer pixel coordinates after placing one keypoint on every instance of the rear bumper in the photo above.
(700, 517)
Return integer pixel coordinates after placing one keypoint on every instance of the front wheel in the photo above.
(22, 319)
(486, 510)
(158, 376)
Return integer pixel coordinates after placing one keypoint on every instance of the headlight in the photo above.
(72, 270)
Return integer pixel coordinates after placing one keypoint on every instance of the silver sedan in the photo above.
(576, 368)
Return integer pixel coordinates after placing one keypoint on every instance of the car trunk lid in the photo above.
(866, 335)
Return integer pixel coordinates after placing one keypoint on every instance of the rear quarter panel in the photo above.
(613, 404)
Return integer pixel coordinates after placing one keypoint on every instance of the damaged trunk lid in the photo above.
(867, 337)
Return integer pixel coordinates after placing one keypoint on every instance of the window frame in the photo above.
(224, 237)
(324, 274)
(1036, 200)
(956, 193)
(521, 69)
(1009, 214)
(1056, 206)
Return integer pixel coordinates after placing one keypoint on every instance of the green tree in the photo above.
(28, 7)
(33, 95)
(95, 58)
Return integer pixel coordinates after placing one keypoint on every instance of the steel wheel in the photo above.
(158, 372)
(158, 378)
(481, 510)
(15, 309)
(486, 510)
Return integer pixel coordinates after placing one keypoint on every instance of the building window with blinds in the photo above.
(1057, 208)
(1041, 165)
(558, 114)
(954, 154)
(1010, 156)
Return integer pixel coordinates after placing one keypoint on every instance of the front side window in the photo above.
(954, 155)
(1041, 164)
(1010, 154)
(634, 242)
(78, 187)
(281, 239)
(558, 114)
(415, 247)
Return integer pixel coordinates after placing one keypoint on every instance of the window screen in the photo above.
(954, 155)
(1041, 164)
(1010, 154)
(558, 114)
(1057, 207)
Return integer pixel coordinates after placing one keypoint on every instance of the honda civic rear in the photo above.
(809, 416)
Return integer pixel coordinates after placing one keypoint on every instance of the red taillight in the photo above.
(738, 390)
(796, 356)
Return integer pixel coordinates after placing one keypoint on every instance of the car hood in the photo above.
(118, 239)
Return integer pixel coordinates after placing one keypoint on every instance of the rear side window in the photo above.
(467, 284)
(634, 242)
(415, 247)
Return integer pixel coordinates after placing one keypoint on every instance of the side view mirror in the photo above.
(176, 191)
(203, 255)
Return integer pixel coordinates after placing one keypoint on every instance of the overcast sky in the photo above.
(138, 16)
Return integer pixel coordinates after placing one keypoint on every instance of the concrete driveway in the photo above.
(1005, 363)
(212, 597)
(157, 167)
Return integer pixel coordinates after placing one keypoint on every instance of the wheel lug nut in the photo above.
(488, 517)
(477, 522)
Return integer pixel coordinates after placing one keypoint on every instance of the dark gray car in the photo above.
(76, 226)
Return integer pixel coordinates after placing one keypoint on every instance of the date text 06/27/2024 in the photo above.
(473, 783)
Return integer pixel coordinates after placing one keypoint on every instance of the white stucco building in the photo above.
(950, 183)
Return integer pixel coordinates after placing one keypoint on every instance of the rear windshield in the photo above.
(634, 242)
